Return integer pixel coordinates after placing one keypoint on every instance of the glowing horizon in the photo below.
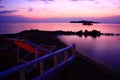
(62, 8)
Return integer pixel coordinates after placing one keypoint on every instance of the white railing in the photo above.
(43, 74)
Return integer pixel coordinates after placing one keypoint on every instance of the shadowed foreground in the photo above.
(80, 69)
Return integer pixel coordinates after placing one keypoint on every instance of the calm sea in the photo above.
(6, 28)
(104, 49)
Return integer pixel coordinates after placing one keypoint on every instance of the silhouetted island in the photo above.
(84, 22)
(93, 33)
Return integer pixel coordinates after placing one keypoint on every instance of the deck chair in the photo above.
(36, 50)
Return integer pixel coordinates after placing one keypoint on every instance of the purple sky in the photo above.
(59, 10)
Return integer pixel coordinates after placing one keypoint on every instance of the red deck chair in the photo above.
(32, 48)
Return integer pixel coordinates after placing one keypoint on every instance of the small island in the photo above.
(84, 22)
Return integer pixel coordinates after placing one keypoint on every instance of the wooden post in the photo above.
(42, 70)
(73, 50)
(36, 53)
(55, 61)
(65, 55)
(18, 54)
(36, 56)
(22, 75)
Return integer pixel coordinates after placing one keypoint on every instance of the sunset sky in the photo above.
(59, 10)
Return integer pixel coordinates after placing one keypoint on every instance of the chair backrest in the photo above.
(31, 47)
(24, 46)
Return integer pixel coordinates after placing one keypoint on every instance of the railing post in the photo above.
(73, 50)
(55, 61)
(42, 70)
(22, 74)
(36, 55)
(18, 54)
(65, 55)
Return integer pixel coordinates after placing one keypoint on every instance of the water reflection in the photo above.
(104, 49)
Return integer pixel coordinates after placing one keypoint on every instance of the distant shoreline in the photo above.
(93, 33)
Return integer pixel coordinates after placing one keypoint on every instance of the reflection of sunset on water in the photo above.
(104, 50)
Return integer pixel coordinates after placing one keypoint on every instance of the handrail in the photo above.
(23, 66)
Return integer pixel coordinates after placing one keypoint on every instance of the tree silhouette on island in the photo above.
(84, 22)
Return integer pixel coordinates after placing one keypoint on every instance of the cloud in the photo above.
(8, 11)
(30, 9)
(77, 0)
(82, 0)
(91, 0)
(73, 0)
(13, 18)
(1, 1)
(40, 0)
(112, 19)
(46, 1)
(96, 2)
(2, 7)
